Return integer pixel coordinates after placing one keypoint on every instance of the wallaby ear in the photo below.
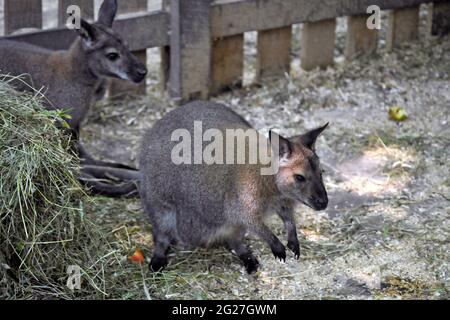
(309, 139)
(107, 13)
(284, 145)
(87, 32)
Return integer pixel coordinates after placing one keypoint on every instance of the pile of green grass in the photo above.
(48, 223)
(43, 227)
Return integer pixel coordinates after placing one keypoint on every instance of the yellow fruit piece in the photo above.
(397, 113)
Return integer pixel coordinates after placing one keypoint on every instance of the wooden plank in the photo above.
(22, 14)
(145, 30)
(154, 34)
(360, 40)
(190, 70)
(120, 87)
(274, 52)
(164, 69)
(403, 26)
(132, 6)
(439, 18)
(86, 6)
(229, 17)
(227, 63)
(317, 44)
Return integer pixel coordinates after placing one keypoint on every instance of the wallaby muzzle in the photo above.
(138, 72)
(319, 201)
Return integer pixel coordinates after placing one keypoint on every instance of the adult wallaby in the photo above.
(74, 78)
(201, 205)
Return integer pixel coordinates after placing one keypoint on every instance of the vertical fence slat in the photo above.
(317, 44)
(86, 6)
(274, 52)
(190, 71)
(403, 26)
(360, 40)
(22, 14)
(164, 70)
(439, 18)
(164, 52)
(227, 63)
(120, 87)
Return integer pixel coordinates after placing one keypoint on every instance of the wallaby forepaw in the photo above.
(279, 251)
(294, 246)
(158, 264)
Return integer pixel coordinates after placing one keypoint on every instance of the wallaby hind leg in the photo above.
(163, 220)
(286, 213)
(243, 252)
(160, 258)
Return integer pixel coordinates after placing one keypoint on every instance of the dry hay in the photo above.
(49, 224)
(43, 227)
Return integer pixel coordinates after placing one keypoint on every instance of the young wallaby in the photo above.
(216, 204)
(73, 79)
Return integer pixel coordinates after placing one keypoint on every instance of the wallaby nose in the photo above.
(142, 72)
(321, 203)
(139, 74)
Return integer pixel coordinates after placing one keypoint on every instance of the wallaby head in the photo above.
(300, 173)
(108, 54)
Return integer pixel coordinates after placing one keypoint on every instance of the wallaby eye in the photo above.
(299, 178)
(113, 56)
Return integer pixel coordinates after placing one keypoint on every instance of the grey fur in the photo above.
(204, 205)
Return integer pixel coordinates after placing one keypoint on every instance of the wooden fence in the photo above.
(202, 41)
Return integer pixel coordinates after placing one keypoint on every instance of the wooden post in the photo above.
(122, 87)
(317, 44)
(439, 18)
(360, 39)
(164, 73)
(274, 52)
(190, 71)
(403, 26)
(227, 63)
(22, 14)
(164, 69)
(86, 6)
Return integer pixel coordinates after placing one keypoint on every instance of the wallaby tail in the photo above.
(109, 173)
(110, 182)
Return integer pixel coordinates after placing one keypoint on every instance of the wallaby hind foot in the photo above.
(251, 264)
(244, 253)
(160, 258)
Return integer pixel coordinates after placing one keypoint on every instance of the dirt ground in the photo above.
(386, 231)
